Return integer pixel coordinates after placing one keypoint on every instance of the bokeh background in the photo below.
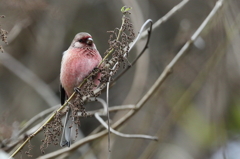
(195, 112)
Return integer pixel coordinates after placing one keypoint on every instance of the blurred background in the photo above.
(195, 112)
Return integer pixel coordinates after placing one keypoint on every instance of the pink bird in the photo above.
(77, 62)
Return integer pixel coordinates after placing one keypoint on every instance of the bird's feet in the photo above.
(77, 90)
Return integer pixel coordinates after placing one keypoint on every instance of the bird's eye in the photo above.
(81, 40)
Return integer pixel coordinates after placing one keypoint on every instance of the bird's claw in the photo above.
(77, 90)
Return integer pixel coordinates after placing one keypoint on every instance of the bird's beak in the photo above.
(89, 41)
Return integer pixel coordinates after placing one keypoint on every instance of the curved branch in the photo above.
(137, 136)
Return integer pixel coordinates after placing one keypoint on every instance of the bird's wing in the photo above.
(62, 94)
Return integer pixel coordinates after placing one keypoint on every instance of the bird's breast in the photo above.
(76, 65)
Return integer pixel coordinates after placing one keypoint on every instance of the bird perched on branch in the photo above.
(77, 62)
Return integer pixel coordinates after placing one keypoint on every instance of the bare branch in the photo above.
(111, 109)
(139, 136)
(166, 17)
(107, 112)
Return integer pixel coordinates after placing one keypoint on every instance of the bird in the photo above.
(78, 61)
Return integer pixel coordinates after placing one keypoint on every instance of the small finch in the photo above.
(77, 62)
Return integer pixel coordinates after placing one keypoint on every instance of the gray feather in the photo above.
(67, 130)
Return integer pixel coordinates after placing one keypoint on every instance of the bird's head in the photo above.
(83, 40)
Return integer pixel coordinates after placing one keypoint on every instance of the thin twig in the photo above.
(138, 136)
(166, 17)
(110, 109)
(107, 112)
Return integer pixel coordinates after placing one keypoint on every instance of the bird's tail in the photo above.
(67, 130)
